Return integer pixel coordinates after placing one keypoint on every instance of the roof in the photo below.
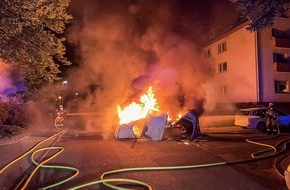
(225, 33)
(255, 108)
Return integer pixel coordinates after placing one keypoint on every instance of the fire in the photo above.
(136, 111)
(178, 116)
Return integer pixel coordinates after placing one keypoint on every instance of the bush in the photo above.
(17, 114)
(10, 130)
(5, 108)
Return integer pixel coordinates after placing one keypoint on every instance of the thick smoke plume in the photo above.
(127, 46)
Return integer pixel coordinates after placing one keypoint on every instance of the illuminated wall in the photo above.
(274, 62)
(251, 67)
(234, 57)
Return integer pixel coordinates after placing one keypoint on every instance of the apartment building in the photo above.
(251, 67)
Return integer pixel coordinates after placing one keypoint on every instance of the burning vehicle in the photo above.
(189, 124)
(145, 119)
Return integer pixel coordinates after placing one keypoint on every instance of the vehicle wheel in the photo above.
(261, 127)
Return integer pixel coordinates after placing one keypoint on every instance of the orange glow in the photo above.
(179, 115)
(136, 111)
(169, 118)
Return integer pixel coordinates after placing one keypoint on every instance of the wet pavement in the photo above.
(93, 155)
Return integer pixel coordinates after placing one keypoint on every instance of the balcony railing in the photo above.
(281, 67)
(281, 42)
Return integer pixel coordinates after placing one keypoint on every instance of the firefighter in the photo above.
(271, 116)
(59, 120)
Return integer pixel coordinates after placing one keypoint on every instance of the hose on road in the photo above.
(30, 151)
(33, 151)
(255, 157)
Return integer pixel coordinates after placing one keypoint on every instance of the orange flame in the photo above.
(136, 111)
(178, 116)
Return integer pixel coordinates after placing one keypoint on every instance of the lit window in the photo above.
(223, 90)
(281, 87)
(222, 47)
(222, 67)
(207, 53)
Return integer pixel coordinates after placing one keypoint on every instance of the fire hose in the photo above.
(33, 151)
(29, 151)
(255, 157)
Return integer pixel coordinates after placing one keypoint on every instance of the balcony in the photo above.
(281, 67)
(281, 42)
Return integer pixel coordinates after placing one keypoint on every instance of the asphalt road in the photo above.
(93, 155)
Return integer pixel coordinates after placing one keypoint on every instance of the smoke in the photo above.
(179, 70)
(10, 81)
(6, 86)
(126, 46)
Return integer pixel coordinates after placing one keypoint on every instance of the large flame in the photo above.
(136, 111)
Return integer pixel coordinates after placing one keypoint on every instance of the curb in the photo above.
(12, 140)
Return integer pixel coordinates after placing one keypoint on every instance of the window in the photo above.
(223, 90)
(222, 67)
(278, 33)
(207, 53)
(279, 58)
(260, 112)
(242, 112)
(222, 47)
(281, 87)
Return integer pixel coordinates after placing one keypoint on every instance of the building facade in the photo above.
(251, 67)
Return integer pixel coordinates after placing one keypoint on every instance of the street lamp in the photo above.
(59, 100)
(62, 93)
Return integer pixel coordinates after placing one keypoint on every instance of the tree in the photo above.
(31, 37)
(261, 13)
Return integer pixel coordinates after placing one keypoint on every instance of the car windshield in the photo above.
(243, 112)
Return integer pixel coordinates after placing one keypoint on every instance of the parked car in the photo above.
(255, 118)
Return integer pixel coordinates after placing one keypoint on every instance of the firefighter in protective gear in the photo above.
(271, 116)
(60, 113)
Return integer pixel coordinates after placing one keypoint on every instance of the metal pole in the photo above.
(62, 93)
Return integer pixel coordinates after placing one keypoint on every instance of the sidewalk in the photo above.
(217, 121)
(13, 139)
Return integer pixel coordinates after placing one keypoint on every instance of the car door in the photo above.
(257, 117)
